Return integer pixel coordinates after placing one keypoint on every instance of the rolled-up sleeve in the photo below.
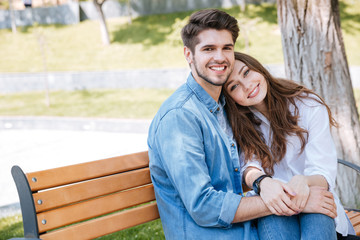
(253, 162)
(320, 151)
(180, 143)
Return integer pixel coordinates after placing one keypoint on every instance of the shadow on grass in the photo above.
(347, 19)
(148, 30)
(155, 29)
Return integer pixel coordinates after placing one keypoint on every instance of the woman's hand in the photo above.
(276, 196)
(299, 184)
(320, 201)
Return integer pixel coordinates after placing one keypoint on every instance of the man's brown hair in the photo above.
(208, 19)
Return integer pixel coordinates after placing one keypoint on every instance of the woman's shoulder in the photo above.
(308, 101)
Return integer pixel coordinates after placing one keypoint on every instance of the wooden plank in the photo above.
(85, 171)
(59, 197)
(352, 214)
(105, 225)
(357, 229)
(355, 220)
(93, 208)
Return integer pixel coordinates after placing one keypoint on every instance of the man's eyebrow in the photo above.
(207, 46)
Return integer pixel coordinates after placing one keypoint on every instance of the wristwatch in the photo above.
(256, 183)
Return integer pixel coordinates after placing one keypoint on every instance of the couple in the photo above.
(232, 123)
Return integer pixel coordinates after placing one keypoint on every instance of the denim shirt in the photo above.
(195, 168)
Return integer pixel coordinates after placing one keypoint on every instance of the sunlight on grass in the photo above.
(11, 227)
(117, 103)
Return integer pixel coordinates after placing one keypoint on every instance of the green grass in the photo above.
(117, 103)
(149, 42)
(11, 227)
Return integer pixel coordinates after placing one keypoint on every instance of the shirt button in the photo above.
(233, 145)
(236, 169)
(211, 110)
(218, 109)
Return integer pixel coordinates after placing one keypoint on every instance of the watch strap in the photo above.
(256, 184)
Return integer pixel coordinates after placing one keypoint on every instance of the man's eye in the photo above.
(207, 49)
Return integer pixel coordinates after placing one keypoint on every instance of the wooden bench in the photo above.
(93, 199)
(77, 201)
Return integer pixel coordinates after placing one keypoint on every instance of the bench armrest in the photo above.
(350, 165)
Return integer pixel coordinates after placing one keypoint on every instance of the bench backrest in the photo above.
(87, 200)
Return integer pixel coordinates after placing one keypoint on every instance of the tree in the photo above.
(103, 27)
(12, 16)
(314, 55)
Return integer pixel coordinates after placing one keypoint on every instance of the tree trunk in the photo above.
(128, 4)
(12, 16)
(242, 5)
(314, 55)
(103, 27)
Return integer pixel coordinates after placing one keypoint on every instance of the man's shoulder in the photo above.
(179, 100)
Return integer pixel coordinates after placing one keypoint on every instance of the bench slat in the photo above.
(96, 207)
(357, 230)
(59, 197)
(85, 171)
(105, 225)
(352, 214)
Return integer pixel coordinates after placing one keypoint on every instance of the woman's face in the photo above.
(247, 87)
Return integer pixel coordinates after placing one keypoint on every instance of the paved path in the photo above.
(38, 149)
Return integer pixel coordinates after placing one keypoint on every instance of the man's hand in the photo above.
(300, 185)
(276, 196)
(320, 201)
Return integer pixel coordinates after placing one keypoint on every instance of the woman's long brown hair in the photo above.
(280, 94)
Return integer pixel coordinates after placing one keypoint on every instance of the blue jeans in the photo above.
(303, 226)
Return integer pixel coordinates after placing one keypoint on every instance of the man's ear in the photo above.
(188, 55)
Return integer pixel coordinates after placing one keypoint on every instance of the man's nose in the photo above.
(219, 56)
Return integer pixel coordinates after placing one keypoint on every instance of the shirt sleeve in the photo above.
(253, 162)
(320, 151)
(180, 144)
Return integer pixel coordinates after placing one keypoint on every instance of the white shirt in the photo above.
(318, 158)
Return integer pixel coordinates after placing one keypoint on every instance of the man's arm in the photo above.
(251, 208)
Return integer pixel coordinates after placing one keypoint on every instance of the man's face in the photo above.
(213, 58)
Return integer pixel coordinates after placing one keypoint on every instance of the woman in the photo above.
(283, 131)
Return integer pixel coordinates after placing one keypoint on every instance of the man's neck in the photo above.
(213, 90)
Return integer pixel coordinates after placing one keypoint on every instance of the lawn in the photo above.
(150, 41)
(111, 103)
(12, 227)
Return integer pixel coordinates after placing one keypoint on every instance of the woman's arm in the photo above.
(275, 194)
(301, 185)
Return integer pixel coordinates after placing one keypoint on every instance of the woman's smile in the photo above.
(254, 92)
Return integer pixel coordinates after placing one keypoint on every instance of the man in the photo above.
(194, 160)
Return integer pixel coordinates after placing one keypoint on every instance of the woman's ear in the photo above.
(188, 55)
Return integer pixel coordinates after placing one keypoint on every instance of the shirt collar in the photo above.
(203, 96)
(259, 115)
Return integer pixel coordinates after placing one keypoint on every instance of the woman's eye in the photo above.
(233, 87)
(246, 72)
